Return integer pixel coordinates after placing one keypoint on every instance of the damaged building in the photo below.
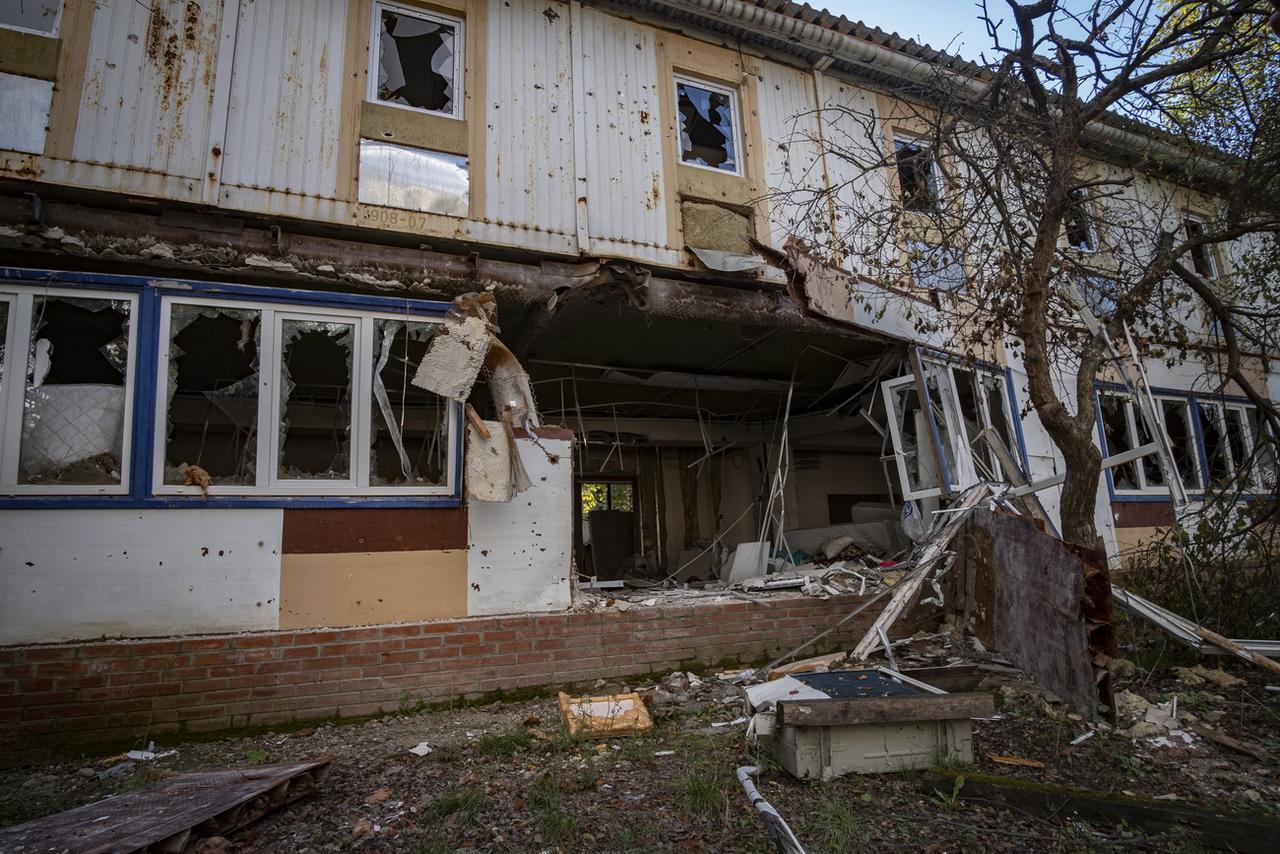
(316, 316)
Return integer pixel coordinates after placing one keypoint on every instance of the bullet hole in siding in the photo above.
(261, 544)
(484, 552)
(204, 551)
(475, 587)
(259, 604)
(29, 563)
(220, 552)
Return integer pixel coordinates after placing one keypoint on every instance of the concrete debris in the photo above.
(263, 262)
(422, 748)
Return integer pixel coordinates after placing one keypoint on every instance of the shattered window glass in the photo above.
(1237, 437)
(212, 394)
(911, 427)
(1079, 226)
(1152, 474)
(946, 415)
(1215, 443)
(1099, 295)
(707, 131)
(416, 179)
(417, 62)
(4, 329)
(410, 425)
(316, 374)
(997, 395)
(74, 409)
(1176, 416)
(1202, 260)
(969, 398)
(917, 176)
(1264, 459)
(38, 16)
(1115, 428)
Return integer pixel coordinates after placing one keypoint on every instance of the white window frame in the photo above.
(375, 56)
(270, 354)
(17, 352)
(735, 122)
(1215, 270)
(935, 170)
(51, 33)
(1250, 441)
(1131, 428)
(924, 444)
(1080, 199)
(1193, 437)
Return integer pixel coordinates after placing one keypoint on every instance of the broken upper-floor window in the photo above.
(1078, 223)
(66, 390)
(917, 169)
(707, 116)
(1203, 260)
(416, 59)
(935, 267)
(33, 16)
(1235, 444)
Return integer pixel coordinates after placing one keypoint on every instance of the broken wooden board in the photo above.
(604, 717)
(1257, 652)
(1249, 834)
(172, 815)
(809, 665)
(882, 710)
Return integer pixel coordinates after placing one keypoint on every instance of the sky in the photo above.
(935, 22)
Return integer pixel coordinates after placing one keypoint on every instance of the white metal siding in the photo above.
(789, 126)
(623, 131)
(149, 86)
(528, 104)
(850, 123)
(283, 126)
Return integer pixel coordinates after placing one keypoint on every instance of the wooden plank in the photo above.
(884, 710)
(346, 530)
(1235, 649)
(166, 815)
(808, 665)
(1246, 833)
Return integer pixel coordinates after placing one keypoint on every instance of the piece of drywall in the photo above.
(73, 574)
(519, 557)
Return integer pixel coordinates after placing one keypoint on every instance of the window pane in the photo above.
(1115, 428)
(706, 127)
(213, 394)
(1201, 256)
(916, 176)
(1078, 227)
(921, 474)
(946, 416)
(415, 179)
(935, 267)
(315, 400)
(1151, 472)
(1264, 455)
(4, 329)
(410, 425)
(73, 416)
(1237, 430)
(38, 15)
(998, 408)
(967, 396)
(621, 497)
(1177, 424)
(416, 61)
(1215, 443)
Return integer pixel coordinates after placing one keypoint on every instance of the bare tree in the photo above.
(1074, 156)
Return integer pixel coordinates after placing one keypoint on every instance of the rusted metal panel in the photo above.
(173, 815)
(1029, 602)
(793, 167)
(148, 87)
(625, 186)
(283, 124)
(528, 156)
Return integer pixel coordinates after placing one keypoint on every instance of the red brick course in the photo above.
(85, 693)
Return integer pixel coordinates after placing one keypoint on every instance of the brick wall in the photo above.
(102, 692)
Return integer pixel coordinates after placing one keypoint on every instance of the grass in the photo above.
(700, 793)
(507, 743)
(837, 826)
(255, 756)
(462, 806)
(557, 825)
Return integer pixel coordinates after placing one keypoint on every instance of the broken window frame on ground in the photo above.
(22, 302)
(422, 14)
(363, 408)
(734, 140)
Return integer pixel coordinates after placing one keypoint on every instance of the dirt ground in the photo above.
(504, 778)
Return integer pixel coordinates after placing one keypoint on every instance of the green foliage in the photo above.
(504, 744)
(951, 802)
(837, 826)
(256, 756)
(462, 806)
(700, 793)
(556, 823)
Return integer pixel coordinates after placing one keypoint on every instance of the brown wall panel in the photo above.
(1142, 514)
(343, 529)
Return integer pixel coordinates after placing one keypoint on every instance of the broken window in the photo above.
(1100, 295)
(316, 373)
(400, 176)
(416, 59)
(1202, 257)
(603, 495)
(1176, 415)
(35, 16)
(1078, 223)
(917, 175)
(984, 402)
(1215, 442)
(935, 267)
(409, 425)
(708, 121)
(1264, 459)
(75, 412)
(912, 439)
(1118, 431)
(213, 395)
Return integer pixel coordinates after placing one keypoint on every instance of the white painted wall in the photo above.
(76, 574)
(519, 553)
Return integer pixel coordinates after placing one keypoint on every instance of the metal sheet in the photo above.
(623, 130)
(789, 126)
(528, 156)
(413, 179)
(24, 112)
(283, 125)
(149, 86)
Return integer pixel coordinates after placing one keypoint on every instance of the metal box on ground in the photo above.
(870, 723)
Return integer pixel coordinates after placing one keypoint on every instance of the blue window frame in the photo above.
(127, 391)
